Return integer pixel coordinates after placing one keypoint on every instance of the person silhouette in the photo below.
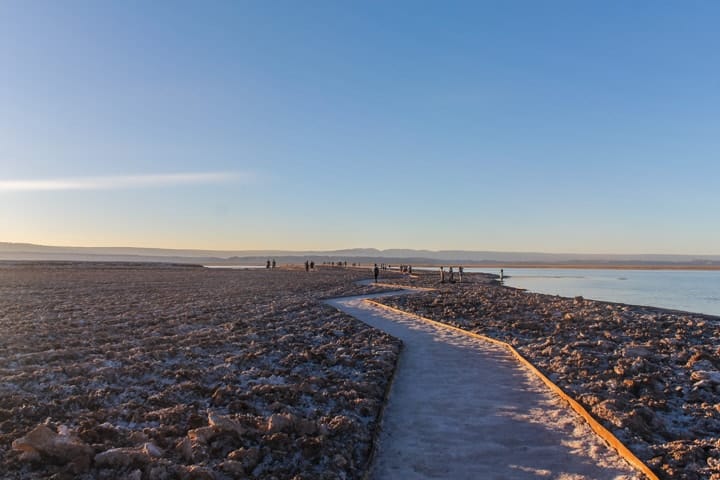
(376, 272)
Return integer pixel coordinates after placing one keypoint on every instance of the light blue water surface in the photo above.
(688, 290)
(236, 267)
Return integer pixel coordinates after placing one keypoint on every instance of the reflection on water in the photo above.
(689, 290)
(530, 276)
(236, 267)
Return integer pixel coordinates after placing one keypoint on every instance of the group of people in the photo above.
(403, 269)
(451, 274)
(338, 264)
(445, 276)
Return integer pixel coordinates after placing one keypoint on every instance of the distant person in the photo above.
(273, 264)
(452, 275)
(501, 274)
(376, 272)
(307, 266)
(442, 274)
(267, 265)
(312, 265)
(460, 272)
(410, 269)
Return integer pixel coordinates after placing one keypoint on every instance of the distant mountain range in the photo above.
(31, 252)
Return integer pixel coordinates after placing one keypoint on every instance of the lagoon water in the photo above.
(236, 267)
(688, 290)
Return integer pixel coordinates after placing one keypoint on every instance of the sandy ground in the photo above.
(465, 409)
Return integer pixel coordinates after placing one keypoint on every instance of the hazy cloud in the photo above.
(122, 181)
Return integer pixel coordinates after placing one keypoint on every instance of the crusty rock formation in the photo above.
(156, 372)
(44, 444)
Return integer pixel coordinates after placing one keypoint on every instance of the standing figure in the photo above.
(307, 266)
(460, 270)
(376, 272)
(501, 274)
(442, 274)
(273, 264)
(267, 265)
(312, 265)
(452, 275)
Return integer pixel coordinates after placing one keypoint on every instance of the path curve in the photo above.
(462, 408)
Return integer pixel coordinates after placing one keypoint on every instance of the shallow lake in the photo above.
(688, 290)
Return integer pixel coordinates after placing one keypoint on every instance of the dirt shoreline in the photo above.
(167, 372)
(650, 375)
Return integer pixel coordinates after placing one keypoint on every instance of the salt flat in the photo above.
(152, 372)
(462, 408)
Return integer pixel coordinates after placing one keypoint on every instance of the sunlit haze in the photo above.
(510, 126)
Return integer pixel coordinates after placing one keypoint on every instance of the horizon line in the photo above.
(380, 250)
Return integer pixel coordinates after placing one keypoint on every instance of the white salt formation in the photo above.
(152, 372)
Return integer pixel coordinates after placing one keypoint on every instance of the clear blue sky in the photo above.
(556, 126)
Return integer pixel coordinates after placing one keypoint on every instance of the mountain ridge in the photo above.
(34, 252)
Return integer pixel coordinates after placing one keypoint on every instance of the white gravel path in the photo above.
(461, 408)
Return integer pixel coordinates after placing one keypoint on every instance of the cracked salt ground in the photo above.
(462, 408)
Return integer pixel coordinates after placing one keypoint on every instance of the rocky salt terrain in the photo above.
(151, 372)
(651, 376)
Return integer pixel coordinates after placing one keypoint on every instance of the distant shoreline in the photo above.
(581, 266)
(363, 256)
(363, 265)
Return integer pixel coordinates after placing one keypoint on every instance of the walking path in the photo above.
(462, 408)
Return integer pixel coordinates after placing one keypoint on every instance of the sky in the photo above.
(554, 126)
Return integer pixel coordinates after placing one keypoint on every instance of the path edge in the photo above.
(598, 428)
(379, 418)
